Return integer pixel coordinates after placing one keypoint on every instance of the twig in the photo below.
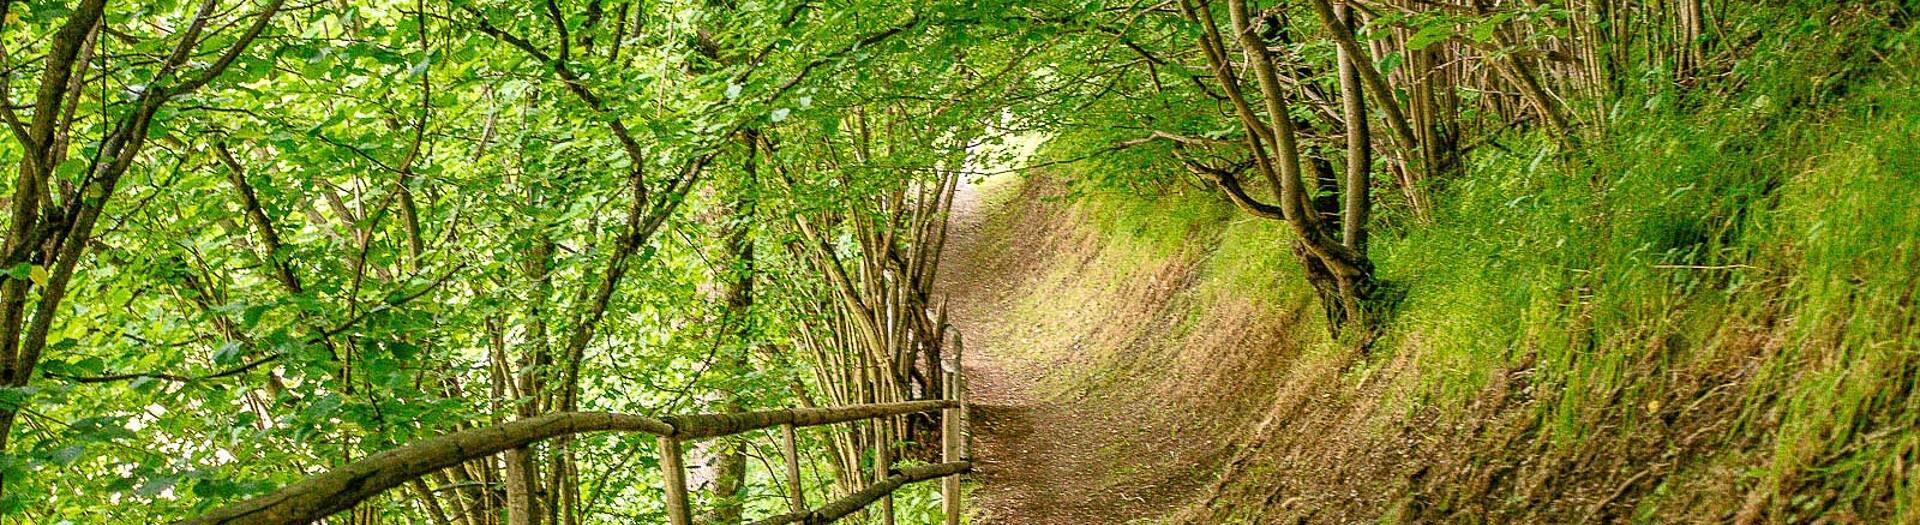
(1700, 267)
(165, 376)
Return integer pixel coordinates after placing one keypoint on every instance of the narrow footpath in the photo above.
(1039, 462)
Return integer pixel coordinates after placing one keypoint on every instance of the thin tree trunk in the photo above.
(1346, 284)
(1358, 188)
(1370, 77)
(735, 270)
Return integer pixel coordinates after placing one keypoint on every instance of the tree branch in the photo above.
(250, 365)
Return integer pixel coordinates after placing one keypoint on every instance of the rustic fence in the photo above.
(321, 495)
(954, 453)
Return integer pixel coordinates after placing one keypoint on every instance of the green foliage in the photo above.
(446, 204)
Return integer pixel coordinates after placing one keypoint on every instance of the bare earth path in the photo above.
(1039, 461)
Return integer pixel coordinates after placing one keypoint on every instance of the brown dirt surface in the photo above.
(1039, 460)
(1090, 412)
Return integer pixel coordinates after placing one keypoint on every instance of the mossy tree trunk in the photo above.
(731, 226)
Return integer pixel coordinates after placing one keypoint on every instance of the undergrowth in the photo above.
(1762, 233)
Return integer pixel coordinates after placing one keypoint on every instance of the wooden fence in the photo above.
(321, 495)
(954, 453)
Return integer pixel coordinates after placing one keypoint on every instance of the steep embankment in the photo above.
(1706, 315)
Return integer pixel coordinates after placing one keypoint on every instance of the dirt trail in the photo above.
(1040, 461)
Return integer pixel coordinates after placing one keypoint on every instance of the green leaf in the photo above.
(22, 271)
(1429, 35)
(70, 169)
(1483, 32)
(67, 455)
(155, 486)
(91, 365)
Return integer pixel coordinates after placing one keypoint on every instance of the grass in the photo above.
(1848, 232)
(1757, 247)
(1139, 238)
(1791, 223)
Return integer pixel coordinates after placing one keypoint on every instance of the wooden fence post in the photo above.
(960, 393)
(675, 468)
(950, 438)
(882, 464)
(796, 499)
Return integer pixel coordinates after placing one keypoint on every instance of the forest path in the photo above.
(1039, 461)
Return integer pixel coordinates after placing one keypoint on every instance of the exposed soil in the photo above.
(1089, 415)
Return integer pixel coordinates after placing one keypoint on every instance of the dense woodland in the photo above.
(254, 241)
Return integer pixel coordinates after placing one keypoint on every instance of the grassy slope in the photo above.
(1707, 315)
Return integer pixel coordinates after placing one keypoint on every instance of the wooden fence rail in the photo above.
(859, 500)
(679, 509)
(324, 494)
(955, 458)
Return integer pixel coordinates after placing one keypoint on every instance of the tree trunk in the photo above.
(1351, 272)
(1341, 275)
(1358, 186)
(725, 460)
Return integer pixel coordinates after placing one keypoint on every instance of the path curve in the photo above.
(1038, 461)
